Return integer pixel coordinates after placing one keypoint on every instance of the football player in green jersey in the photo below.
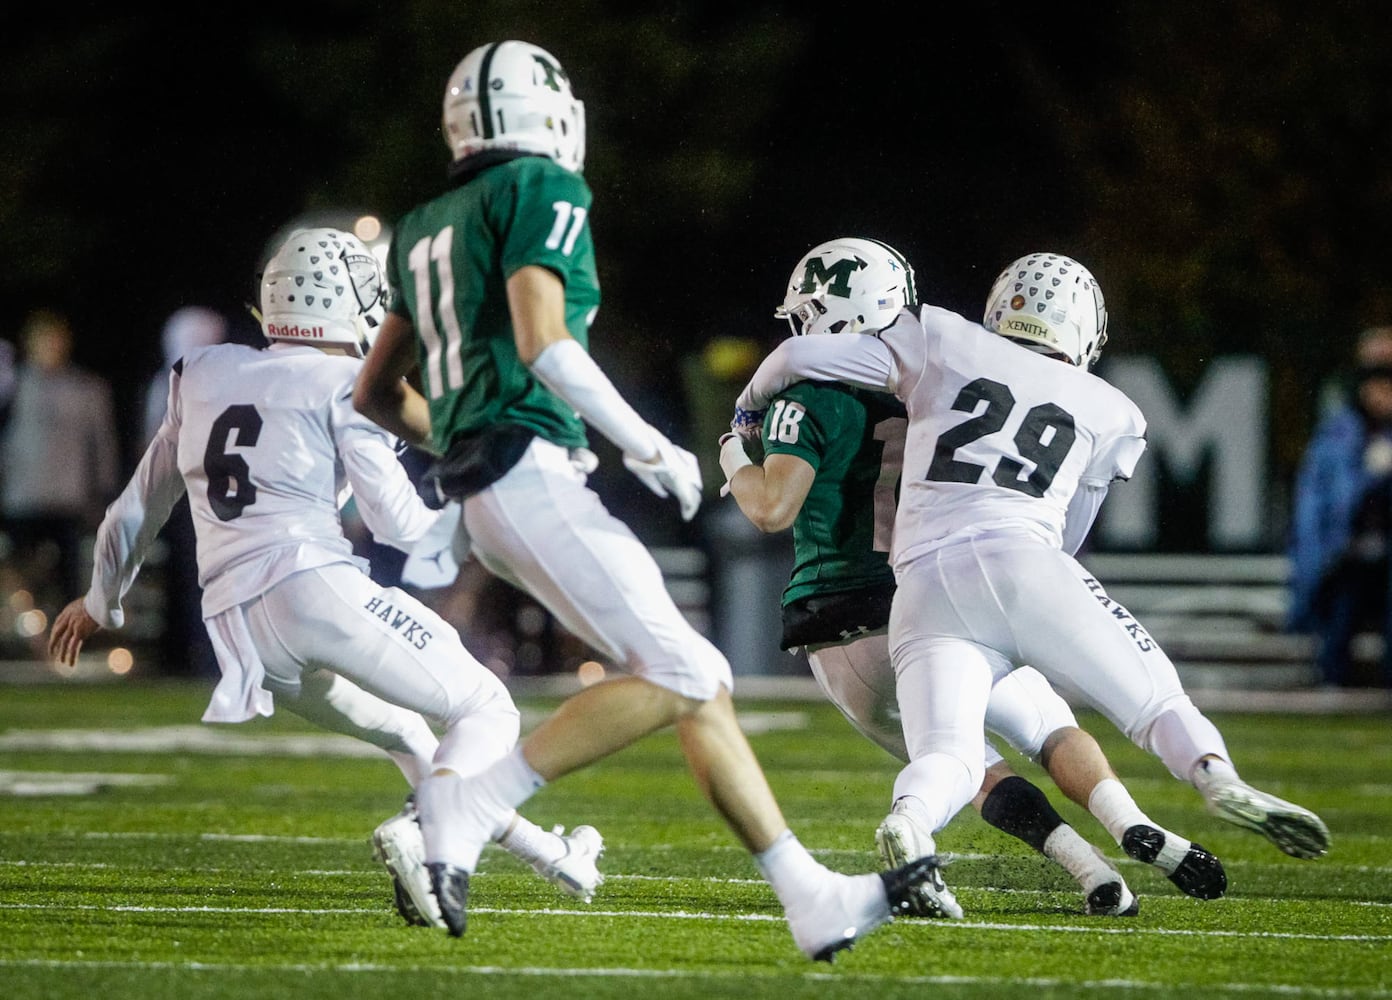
(494, 289)
(832, 456)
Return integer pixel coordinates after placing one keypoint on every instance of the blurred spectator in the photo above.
(185, 648)
(1343, 504)
(185, 329)
(60, 458)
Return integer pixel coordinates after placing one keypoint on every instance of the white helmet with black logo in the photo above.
(324, 288)
(1052, 304)
(514, 96)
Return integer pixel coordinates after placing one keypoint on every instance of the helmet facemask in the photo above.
(848, 285)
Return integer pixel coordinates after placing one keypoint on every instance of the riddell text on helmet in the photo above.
(295, 330)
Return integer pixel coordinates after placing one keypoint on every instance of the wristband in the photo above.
(732, 455)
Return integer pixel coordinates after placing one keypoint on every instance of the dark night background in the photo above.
(1220, 167)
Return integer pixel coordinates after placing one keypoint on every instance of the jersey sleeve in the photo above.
(135, 517)
(1116, 455)
(386, 499)
(796, 423)
(853, 358)
(547, 221)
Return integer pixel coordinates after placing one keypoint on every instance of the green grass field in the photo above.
(143, 854)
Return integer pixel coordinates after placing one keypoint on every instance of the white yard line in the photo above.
(938, 926)
(1207, 988)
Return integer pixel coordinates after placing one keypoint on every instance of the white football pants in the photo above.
(967, 614)
(858, 677)
(543, 530)
(375, 663)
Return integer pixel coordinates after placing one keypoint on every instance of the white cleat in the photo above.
(845, 908)
(575, 872)
(1292, 828)
(901, 839)
(397, 843)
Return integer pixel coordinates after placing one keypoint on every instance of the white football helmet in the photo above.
(323, 288)
(848, 285)
(514, 96)
(1051, 303)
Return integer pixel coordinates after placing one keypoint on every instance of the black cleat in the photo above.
(1197, 873)
(918, 888)
(451, 888)
(1108, 899)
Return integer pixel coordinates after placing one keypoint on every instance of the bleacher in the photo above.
(1219, 617)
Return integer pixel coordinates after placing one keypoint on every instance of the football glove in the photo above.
(747, 423)
(674, 472)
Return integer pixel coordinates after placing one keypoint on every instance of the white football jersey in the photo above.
(267, 443)
(1000, 437)
(1000, 440)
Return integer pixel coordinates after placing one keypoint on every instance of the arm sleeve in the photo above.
(567, 369)
(134, 520)
(385, 497)
(1082, 511)
(853, 358)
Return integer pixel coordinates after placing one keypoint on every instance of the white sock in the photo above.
(1210, 770)
(789, 868)
(529, 843)
(1078, 858)
(1114, 808)
(504, 786)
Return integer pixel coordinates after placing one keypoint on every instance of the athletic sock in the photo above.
(1079, 858)
(1114, 808)
(788, 867)
(529, 843)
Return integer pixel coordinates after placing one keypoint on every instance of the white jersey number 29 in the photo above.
(1044, 438)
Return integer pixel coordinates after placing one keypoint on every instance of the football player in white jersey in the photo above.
(266, 443)
(497, 291)
(831, 461)
(1011, 447)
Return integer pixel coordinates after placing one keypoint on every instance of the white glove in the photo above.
(674, 471)
(434, 560)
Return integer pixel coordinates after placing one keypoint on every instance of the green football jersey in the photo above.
(854, 440)
(448, 268)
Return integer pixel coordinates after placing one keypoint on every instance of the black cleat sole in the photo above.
(901, 884)
(451, 888)
(1199, 874)
(1107, 897)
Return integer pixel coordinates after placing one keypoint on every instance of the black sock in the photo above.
(1019, 808)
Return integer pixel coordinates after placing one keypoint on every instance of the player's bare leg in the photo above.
(1081, 771)
(1021, 809)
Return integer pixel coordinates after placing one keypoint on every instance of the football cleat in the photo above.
(1112, 899)
(1295, 830)
(575, 872)
(1194, 870)
(901, 839)
(845, 908)
(451, 888)
(397, 844)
